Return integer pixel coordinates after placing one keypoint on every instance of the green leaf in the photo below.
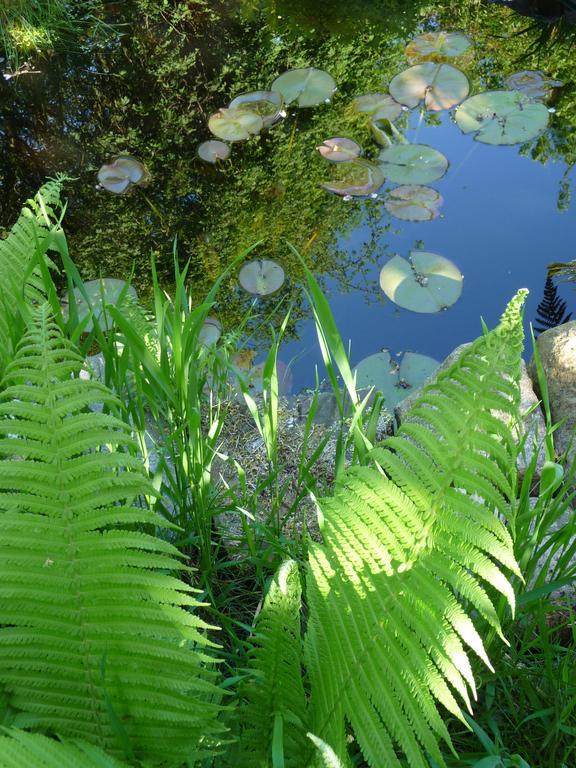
(426, 282)
(412, 202)
(261, 277)
(235, 124)
(378, 105)
(532, 83)
(435, 46)
(502, 117)
(393, 380)
(266, 104)
(440, 86)
(212, 151)
(339, 150)
(412, 164)
(307, 87)
(358, 178)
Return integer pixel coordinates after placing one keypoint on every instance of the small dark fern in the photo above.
(552, 309)
(99, 640)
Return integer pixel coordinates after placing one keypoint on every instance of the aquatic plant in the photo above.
(439, 86)
(357, 178)
(377, 105)
(426, 282)
(307, 87)
(437, 46)
(532, 83)
(261, 276)
(235, 124)
(95, 296)
(212, 151)
(502, 117)
(339, 150)
(267, 104)
(394, 379)
(412, 163)
(122, 173)
(413, 202)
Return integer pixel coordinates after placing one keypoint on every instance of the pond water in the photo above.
(146, 86)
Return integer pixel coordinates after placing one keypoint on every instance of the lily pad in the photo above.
(532, 83)
(210, 331)
(440, 86)
(435, 46)
(212, 151)
(412, 163)
(307, 87)
(123, 172)
(266, 104)
(412, 202)
(378, 105)
(108, 290)
(394, 381)
(357, 178)
(425, 283)
(502, 117)
(261, 276)
(339, 150)
(235, 124)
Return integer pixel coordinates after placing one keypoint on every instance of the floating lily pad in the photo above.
(424, 283)
(357, 178)
(435, 46)
(266, 104)
(378, 105)
(261, 276)
(394, 381)
(412, 202)
(412, 163)
(339, 150)
(235, 124)
(122, 173)
(212, 151)
(255, 382)
(440, 86)
(210, 331)
(307, 87)
(108, 290)
(532, 83)
(502, 117)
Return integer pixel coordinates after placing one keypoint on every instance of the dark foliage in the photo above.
(552, 309)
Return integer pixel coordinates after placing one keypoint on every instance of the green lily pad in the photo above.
(394, 381)
(212, 151)
(436, 46)
(378, 105)
(412, 202)
(412, 163)
(424, 283)
(108, 290)
(440, 86)
(307, 87)
(210, 331)
(123, 172)
(235, 124)
(357, 178)
(339, 150)
(502, 117)
(261, 276)
(532, 83)
(266, 104)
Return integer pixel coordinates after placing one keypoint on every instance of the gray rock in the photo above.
(533, 425)
(557, 349)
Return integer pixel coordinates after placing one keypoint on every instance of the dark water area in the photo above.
(146, 85)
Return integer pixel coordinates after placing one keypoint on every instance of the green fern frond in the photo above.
(98, 640)
(275, 699)
(27, 241)
(408, 555)
(19, 749)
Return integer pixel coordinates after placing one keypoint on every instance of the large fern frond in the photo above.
(27, 241)
(99, 641)
(274, 715)
(411, 549)
(19, 749)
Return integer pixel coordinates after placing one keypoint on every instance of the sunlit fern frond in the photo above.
(26, 242)
(99, 638)
(411, 550)
(19, 749)
(274, 712)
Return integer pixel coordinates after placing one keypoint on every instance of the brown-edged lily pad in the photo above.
(412, 202)
(358, 178)
(122, 173)
(437, 46)
(235, 124)
(426, 282)
(339, 150)
(261, 277)
(378, 105)
(412, 163)
(307, 87)
(213, 150)
(502, 117)
(440, 86)
(266, 104)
